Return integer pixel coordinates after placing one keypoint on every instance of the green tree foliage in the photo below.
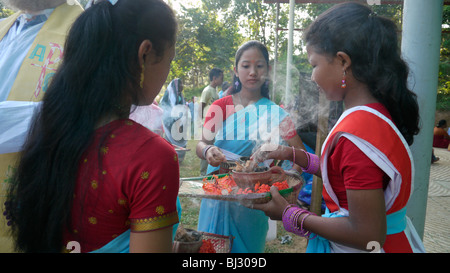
(4, 12)
(205, 41)
(210, 34)
(443, 95)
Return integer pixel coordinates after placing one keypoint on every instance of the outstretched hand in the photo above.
(275, 207)
(269, 151)
(214, 156)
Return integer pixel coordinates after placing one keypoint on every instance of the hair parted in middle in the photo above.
(236, 85)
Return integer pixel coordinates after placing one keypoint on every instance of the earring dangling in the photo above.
(142, 76)
(344, 80)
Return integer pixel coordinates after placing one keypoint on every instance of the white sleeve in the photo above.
(15, 119)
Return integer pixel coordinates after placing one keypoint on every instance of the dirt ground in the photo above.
(297, 245)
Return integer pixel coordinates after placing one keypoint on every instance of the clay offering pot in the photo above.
(249, 179)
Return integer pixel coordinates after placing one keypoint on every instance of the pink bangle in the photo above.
(291, 214)
(288, 207)
(313, 163)
(306, 233)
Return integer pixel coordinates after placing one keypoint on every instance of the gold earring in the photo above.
(142, 76)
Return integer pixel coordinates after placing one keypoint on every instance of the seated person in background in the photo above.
(441, 139)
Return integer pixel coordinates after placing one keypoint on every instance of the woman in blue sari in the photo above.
(235, 126)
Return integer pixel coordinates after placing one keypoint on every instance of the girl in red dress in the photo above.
(366, 165)
(88, 174)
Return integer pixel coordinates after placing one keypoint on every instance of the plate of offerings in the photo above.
(225, 187)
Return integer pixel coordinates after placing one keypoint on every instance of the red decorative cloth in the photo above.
(128, 179)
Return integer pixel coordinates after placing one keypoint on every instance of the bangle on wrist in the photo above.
(313, 163)
(291, 215)
(205, 150)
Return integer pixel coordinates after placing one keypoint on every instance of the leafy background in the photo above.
(211, 31)
(209, 35)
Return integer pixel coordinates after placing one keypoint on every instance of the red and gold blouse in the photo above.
(128, 179)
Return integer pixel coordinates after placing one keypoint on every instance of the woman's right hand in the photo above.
(214, 156)
(270, 151)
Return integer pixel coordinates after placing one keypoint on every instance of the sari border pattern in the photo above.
(154, 223)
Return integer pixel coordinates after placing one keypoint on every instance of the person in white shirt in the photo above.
(209, 95)
(31, 47)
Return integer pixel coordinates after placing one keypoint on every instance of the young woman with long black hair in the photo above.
(366, 165)
(86, 173)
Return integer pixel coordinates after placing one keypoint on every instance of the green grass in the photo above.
(190, 167)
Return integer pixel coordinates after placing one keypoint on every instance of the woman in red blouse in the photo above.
(88, 174)
(366, 165)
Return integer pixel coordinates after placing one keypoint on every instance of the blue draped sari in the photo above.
(240, 133)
